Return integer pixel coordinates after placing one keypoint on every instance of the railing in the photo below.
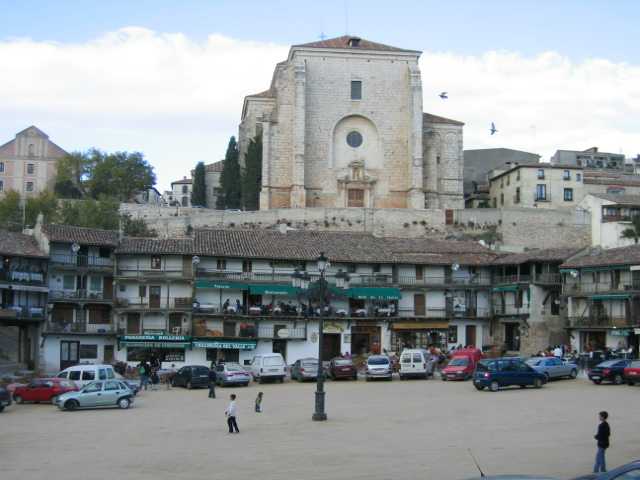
(509, 279)
(160, 273)
(22, 312)
(443, 280)
(186, 330)
(589, 288)
(61, 295)
(177, 303)
(542, 198)
(299, 333)
(62, 259)
(510, 309)
(79, 327)
(601, 321)
(548, 278)
(22, 276)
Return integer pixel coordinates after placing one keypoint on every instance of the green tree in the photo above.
(121, 175)
(230, 181)
(91, 213)
(16, 214)
(632, 232)
(11, 211)
(136, 227)
(73, 171)
(45, 203)
(252, 177)
(199, 192)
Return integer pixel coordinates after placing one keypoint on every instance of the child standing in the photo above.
(259, 403)
(231, 415)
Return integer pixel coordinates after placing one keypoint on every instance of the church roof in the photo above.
(430, 118)
(266, 94)
(352, 43)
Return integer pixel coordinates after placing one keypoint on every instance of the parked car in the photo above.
(232, 374)
(462, 364)
(109, 393)
(379, 366)
(5, 398)
(304, 369)
(628, 471)
(191, 376)
(416, 363)
(505, 372)
(43, 390)
(86, 373)
(553, 367)
(610, 371)
(268, 366)
(342, 368)
(632, 373)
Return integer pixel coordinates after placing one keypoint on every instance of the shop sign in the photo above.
(283, 333)
(155, 338)
(636, 331)
(226, 344)
(332, 327)
(620, 333)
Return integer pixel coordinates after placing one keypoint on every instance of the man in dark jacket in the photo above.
(602, 437)
(212, 381)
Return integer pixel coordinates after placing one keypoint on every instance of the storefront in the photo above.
(374, 301)
(419, 334)
(217, 350)
(366, 337)
(166, 348)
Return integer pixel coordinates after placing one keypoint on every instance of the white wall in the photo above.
(50, 351)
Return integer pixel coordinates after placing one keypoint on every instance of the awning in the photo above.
(420, 325)
(272, 290)
(155, 341)
(225, 344)
(374, 293)
(157, 344)
(221, 285)
(611, 296)
(506, 288)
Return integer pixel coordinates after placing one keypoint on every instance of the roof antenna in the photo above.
(482, 475)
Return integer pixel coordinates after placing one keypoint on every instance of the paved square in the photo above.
(377, 430)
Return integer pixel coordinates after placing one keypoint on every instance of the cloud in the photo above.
(179, 100)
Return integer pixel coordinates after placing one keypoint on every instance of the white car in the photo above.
(416, 363)
(85, 374)
(269, 366)
(379, 366)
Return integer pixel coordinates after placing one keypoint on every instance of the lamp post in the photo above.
(319, 414)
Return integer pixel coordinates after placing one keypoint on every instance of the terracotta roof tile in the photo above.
(596, 257)
(80, 235)
(343, 42)
(167, 246)
(543, 255)
(19, 244)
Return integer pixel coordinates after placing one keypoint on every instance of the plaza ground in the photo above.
(378, 430)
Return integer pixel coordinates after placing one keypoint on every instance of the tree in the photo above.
(632, 232)
(73, 172)
(230, 181)
(16, 214)
(252, 178)
(45, 203)
(199, 192)
(90, 213)
(11, 211)
(136, 227)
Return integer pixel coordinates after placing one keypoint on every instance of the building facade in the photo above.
(28, 163)
(342, 126)
(610, 216)
(180, 193)
(590, 158)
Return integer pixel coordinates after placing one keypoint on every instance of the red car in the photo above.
(43, 390)
(632, 373)
(342, 368)
(462, 364)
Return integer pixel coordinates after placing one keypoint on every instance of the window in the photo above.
(247, 266)
(88, 375)
(502, 182)
(495, 202)
(68, 282)
(92, 387)
(88, 351)
(541, 173)
(29, 187)
(185, 201)
(221, 264)
(31, 168)
(104, 252)
(438, 159)
(112, 385)
(578, 177)
(518, 299)
(354, 139)
(356, 90)
(376, 268)
(566, 175)
(156, 262)
(453, 334)
(1, 185)
(95, 284)
(185, 189)
(518, 175)
(508, 180)
(355, 197)
(1, 167)
(122, 288)
(517, 197)
(541, 192)
(568, 194)
(142, 291)
(501, 199)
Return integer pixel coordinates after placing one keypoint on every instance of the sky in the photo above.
(168, 78)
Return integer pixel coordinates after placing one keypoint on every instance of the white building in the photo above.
(180, 193)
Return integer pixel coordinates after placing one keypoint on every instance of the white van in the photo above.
(415, 363)
(84, 374)
(269, 366)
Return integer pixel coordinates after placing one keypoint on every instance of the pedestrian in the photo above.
(602, 439)
(259, 403)
(231, 414)
(144, 378)
(155, 379)
(557, 351)
(212, 381)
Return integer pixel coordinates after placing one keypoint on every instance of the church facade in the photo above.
(342, 125)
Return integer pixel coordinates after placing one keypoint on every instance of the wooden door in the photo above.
(355, 198)
(107, 288)
(419, 307)
(154, 296)
(470, 335)
(69, 354)
(108, 354)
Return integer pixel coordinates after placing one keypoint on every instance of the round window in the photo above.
(354, 139)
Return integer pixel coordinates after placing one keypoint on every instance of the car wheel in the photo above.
(124, 403)
(574, 374)
(478, 387)
(189, 386)
(18, 399)
(597, 382)
(71, 405)
(618, 379)
(54, 399)
(537, 383)
(260, 380)
(630, 383)
(494, 386)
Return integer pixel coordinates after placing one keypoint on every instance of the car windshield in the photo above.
(459, 362)
(343, 362)
(272, 361)
(534, 362)
(378, 361)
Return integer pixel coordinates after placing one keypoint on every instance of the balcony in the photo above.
(602, 321)
(79, 327)
(80, 261)
(137, 303)
(577, 289)
(510, 310)
(511, 279)
(78, 295)
(22, 276)
(20, 312)
(442, 280)
(271, 333)
(548, 279)
(162, 274)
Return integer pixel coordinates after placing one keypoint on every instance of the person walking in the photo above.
(212, 381)
(231, 414)
(259, 403)
(144, 376)
(602, 439)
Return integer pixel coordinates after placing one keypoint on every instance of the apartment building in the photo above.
(591, 158)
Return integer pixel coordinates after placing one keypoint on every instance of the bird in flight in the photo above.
(493, 128)
(443, 95)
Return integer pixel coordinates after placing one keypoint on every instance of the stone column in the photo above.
(265, 190)
(298, 197)
(416, 193)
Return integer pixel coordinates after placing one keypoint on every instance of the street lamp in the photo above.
(319, 414)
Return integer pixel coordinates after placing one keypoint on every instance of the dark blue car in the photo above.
(505, 372)
(609, 371)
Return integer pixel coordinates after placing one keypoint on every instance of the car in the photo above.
(342, 368)
(304, 369)
(43, 390)
(191, 376)
(84, 374)
(378, 366)
(416, 363)
(5, 398)
(268, 366)
(553, 367)
(628, 471)
(462, 364)
(108, 393)
(504, 372)
(610, 371)
(232, 374)
(133, 385)
(631, 373)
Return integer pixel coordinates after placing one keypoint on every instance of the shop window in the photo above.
(452, 335)
(156, 262)
(89, 351)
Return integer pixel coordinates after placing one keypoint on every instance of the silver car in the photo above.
(305, 369)
(108, 393)
(232, 374)
(379, 366)
(553, 367)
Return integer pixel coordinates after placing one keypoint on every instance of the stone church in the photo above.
(342, 126)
